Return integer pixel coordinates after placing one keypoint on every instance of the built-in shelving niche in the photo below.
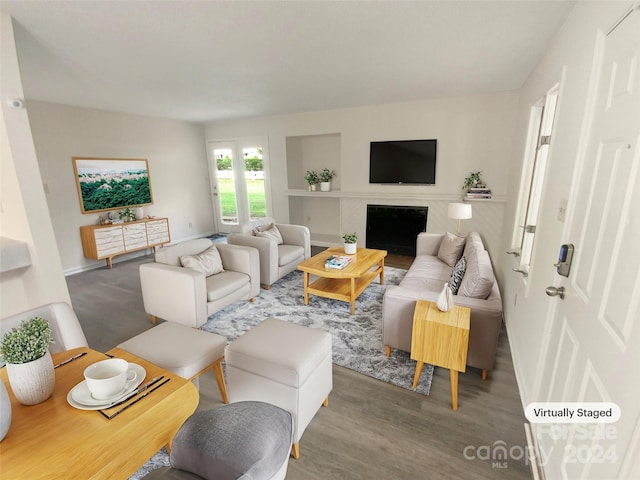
(320, 213)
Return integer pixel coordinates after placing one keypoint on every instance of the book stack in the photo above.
(337, 261)
(479, 191)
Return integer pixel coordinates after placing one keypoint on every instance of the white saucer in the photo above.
(80, 396)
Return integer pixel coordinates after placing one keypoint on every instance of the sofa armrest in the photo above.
(176, 294)
(296, 235)
(428, 243)
(239, 258)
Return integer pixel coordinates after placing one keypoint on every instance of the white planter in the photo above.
(325, 186)
(5, 410)
(32, 382)
(312, 188)
(350, 248)
(139, 213)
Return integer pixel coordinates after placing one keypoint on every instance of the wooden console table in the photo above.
(441, 339)
(106, 241)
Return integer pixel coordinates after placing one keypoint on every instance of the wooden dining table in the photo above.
(55, 440)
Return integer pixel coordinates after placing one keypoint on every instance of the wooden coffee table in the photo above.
(345, 284)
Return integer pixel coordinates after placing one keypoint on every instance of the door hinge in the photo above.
(544, 140)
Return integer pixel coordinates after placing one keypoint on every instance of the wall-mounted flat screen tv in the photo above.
(403, 162)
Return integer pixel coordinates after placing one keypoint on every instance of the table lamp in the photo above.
(459, 211)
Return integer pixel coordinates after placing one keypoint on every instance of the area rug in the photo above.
(357, 339)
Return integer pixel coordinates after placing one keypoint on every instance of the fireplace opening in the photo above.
(395, 228)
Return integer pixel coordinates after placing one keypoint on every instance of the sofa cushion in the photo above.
(289, 253)
(225, 284)
(473, 242)
(451, 248)
(207, 262)
(428, 267)
(171, 255)
(269, 231)
(457, 275)
(478, 279)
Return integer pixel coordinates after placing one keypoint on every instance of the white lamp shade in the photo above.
(459, 211)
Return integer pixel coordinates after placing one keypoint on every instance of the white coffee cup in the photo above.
(108, 377)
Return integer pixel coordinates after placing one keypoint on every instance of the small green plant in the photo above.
(127, 214)
(350, 237)
(326, 175)
(27, 342)
(472, 180)
(312, 177)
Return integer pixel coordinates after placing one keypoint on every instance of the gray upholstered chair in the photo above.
(279, 255)
(248, 440)
(65, 328)
(184, 295)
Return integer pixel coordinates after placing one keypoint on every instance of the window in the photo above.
(532, 181)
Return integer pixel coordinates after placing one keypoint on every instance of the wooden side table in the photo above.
(440, 339)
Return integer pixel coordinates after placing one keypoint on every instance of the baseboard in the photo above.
(535, 459)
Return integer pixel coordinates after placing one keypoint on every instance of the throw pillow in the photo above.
(207, 262)
(457, 275)
(272, 233)
(451, 248)
(479, 279)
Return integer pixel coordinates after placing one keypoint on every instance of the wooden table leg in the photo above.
(453, 375)
(353, 296)
(416, 377)
(306, 288)
(382, 272)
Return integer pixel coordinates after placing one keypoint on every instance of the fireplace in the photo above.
(395, 228)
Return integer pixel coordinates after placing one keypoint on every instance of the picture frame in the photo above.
(112, 183)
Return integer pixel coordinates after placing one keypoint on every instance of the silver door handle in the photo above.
(555, 292)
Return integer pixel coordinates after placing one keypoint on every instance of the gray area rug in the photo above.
(357, 339)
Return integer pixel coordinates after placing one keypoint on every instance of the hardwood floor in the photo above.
(370, 429)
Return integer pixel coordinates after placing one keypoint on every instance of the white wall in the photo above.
(473, 133)
(177, 167)
(23, 208)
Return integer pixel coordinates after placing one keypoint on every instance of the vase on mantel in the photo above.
(325, 186)
(32, 382)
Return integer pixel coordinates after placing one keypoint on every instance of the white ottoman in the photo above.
(284, 364)
(183, 350)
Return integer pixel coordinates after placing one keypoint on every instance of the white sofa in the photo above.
(424, 281)
(178, 294)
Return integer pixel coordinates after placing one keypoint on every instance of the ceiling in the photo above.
(212, 60)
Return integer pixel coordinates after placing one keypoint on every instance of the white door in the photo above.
(594, 350)
(239, 182)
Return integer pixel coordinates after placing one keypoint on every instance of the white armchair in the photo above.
(65, 328)
(178, 294)
(276, 259)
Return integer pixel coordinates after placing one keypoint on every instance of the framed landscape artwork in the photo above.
(112, 183)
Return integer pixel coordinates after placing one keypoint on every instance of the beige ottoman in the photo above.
(284, 364)
(183, 350)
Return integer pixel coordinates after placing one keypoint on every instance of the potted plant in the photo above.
(473, 180)
(312, 179)
(29, 365)
(325, 176)
(350, 243)
(127, 215)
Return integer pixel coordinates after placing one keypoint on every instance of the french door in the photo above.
(238, 181)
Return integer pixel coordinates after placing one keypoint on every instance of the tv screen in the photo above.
(403, 161)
